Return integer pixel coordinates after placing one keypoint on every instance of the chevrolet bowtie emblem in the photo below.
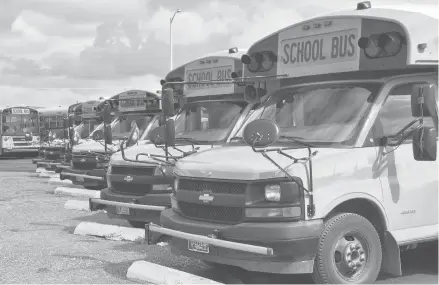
(82, 160)
(128, 179)
(206, 198)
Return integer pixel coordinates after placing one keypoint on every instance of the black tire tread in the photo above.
(318, 274)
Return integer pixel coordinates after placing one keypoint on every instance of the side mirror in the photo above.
(98, 135)
(424, 97)
(261, 133)
(106, 114)
(170, 132)
(425, 144)
(71, 134)
(65, 123)
(157, 135)
(168, 102)
(108, 135)
(163, 134)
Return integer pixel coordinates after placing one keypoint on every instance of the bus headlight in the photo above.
(272, 193)
(286, 212)
(167, 170)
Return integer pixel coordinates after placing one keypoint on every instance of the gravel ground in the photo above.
(37, 245)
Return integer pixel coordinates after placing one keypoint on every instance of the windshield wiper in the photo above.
(190, 140)
(236, 138)
(298, 140)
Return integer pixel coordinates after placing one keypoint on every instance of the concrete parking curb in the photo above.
(49, 174)
(57, 181)
(157, 274)
(110, 232)
(77, 205)
(77, 192)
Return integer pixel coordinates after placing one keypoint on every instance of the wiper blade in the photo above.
(190, 140)
(236, 138)
(297, 140)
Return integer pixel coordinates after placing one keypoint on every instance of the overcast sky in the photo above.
(56, 52)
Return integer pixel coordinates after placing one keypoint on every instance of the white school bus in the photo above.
(339, 171)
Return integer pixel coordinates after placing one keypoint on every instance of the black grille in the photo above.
(52, 156)
(84, 166)
(60, 149)
(215, 187)
(16, 139)
(218, 214)
(22, 143)
(130, 188)
(136, 171)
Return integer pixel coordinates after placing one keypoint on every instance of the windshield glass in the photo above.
(86, 128)
(19, 124)
(122, 127)
(328, 114)
(208, 121)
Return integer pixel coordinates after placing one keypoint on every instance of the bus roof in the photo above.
(223, 53)
(53, 111)
(21, 106)
(210, 67)
(409, 31)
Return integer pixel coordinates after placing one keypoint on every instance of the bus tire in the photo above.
(349, 251)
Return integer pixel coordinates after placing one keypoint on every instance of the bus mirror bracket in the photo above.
(262, 133)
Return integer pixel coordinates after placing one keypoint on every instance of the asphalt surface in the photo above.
(37, 244)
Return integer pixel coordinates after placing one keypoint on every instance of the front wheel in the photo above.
(349, 251)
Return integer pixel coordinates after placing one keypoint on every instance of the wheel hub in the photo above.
(349, 256)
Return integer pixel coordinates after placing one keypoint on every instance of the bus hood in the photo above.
(95, 146)
(242, 163)
(131, 153)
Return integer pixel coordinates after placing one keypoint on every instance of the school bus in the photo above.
(86, 118)
(90, 158)
(338, 171)
(53, 134)
(19, 130)
(210, 117)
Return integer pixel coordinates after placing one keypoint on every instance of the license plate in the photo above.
(80, 179)
(197, 246)
(122, 210)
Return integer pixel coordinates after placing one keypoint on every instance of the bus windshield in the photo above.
(20, 123)
(331, 113)
(122, 127)
(208, 121)
(86, 128)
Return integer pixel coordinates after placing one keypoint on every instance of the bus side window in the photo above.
(395, 113)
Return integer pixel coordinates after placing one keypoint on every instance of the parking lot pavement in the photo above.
(37, 245)
(13, 164)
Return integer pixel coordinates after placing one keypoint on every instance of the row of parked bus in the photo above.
(313, 151)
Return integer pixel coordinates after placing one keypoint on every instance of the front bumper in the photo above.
(49, 165)
(88, 178)
(20, 150)
(133, 208)
(272, 247)
(61, 166)
(38, 159)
